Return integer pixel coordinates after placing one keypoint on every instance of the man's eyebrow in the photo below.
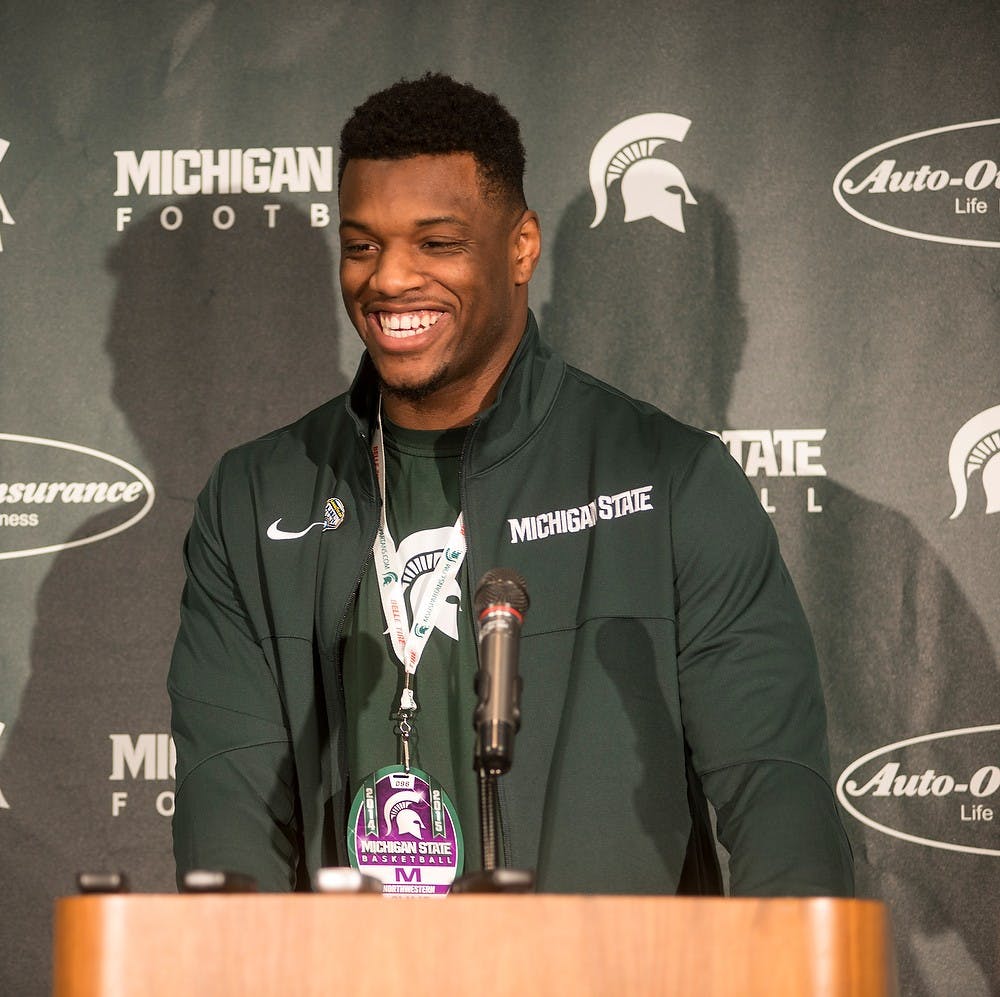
(419, 223)
(442, 220)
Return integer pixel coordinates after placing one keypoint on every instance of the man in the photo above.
(665, 657)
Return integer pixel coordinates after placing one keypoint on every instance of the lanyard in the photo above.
(408, 642)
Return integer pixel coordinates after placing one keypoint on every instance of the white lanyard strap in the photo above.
(408, 642)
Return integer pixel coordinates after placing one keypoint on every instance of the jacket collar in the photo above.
(527, 393)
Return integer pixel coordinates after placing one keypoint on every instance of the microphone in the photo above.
(500, 602)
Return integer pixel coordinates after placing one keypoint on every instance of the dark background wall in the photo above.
(775, 309)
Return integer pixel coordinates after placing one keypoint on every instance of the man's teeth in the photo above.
(400, 325)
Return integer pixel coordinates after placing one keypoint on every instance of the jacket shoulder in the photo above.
(282, 448)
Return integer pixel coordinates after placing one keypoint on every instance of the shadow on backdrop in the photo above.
(215, 337)
(650, 310)
(657, 313)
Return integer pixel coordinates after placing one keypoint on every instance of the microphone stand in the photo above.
(491, 879)
(487, 818)
(500, 589)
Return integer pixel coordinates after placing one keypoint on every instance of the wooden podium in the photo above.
(248, 944)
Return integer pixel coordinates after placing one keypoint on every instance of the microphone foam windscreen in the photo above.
(502, 586)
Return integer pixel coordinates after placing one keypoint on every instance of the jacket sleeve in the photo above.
(751, 701)
(235, 797)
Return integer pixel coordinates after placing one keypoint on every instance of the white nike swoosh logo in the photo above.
(275, 534)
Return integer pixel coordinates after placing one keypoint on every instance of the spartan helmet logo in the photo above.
(651, 187)
(4, 805)
(976, 445)
(6, 218)
(397, 808)
(419, 553)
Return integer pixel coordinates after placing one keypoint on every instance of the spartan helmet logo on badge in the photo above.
(651, 187)
(397, 808)
(976, 445)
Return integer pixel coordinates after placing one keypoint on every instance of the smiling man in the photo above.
(323, 678)
(435, 268)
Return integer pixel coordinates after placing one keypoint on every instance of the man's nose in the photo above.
(395, 272)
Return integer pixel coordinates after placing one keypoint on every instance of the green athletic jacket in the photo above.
(665, 657)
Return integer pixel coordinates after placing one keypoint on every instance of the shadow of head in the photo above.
(218, 335)
(646, 293)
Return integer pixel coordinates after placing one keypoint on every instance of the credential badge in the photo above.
(403, 829)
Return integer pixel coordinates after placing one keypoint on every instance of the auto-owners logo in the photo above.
(941, 790)
(941, 185)
(56, 495)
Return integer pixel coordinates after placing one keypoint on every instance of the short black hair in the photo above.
(436, 115)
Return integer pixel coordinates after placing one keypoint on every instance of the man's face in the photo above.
(434, 276)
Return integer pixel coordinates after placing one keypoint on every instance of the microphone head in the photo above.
(502, 586)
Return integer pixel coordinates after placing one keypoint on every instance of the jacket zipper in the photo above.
(335, 650)
(361, 571)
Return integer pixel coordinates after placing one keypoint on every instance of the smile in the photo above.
(402, 325)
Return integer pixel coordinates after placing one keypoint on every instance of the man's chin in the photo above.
(414, 391)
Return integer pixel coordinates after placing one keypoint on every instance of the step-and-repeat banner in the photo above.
(778, 221)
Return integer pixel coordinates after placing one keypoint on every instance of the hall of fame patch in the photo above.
(404, 831)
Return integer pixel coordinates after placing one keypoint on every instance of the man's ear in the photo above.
(527, 247)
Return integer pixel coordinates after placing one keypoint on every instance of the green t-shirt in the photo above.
(422, 494)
